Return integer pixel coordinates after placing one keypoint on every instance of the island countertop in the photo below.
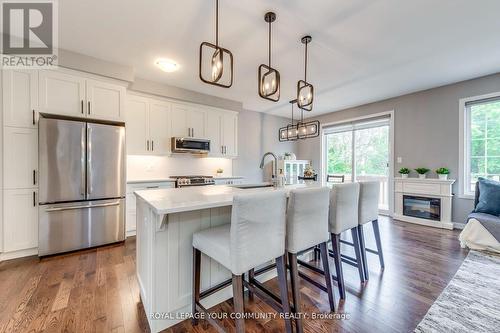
(176, 200)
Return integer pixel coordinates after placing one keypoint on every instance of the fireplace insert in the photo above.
(422, 207)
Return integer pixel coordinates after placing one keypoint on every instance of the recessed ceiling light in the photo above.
(167, 65)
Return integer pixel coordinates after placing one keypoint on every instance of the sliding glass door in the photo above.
(359, 151)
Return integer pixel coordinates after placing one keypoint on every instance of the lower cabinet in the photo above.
(229, 181)
(131, 202)
(20, 217)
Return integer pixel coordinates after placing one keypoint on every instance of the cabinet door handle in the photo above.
(152, 145)
(33, 116)
(192, 132)
(222, 149)
(34, 177)
(88, 103)
(34, 199)
(147, 145)
(82, 106)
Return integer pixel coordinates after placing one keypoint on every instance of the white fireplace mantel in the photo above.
(429, 188)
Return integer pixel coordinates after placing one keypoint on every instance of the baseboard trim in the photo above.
(130, 233)
(18, 254)
(459, 226)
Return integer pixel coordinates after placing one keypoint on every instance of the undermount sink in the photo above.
(250, 186)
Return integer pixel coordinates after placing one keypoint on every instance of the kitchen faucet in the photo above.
(275, 171)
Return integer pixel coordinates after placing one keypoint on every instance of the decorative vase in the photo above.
(443, 177)
(404, 175)
(421, 176)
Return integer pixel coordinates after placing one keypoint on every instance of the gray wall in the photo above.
(426, 129)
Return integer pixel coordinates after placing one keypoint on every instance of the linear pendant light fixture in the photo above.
(299, 130)
(305, 90)
(218, 70)
(269, 78)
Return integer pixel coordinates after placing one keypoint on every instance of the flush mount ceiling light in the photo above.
(216, 63)
(167, 65)
(269, 78)
(305, 90)
(300, 129)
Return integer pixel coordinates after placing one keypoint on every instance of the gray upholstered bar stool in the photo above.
(369, 194)
(307, 227)
(255, 236)
(343, 217)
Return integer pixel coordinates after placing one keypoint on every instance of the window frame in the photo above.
(465, 142)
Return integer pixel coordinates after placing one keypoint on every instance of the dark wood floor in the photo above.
(96, 290)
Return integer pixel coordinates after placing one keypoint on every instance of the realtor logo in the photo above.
(29, 38)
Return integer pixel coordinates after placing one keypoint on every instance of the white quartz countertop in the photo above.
(159, 180)
(228, 177)
(176, 200)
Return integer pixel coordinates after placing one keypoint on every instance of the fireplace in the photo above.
(422, 207)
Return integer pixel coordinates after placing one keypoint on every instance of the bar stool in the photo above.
(307, 227)
(343, 217)
(255, 236)
(368, 212)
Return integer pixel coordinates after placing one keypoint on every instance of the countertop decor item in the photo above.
(220, 171)
(404, 172)
(269, 78)
(289, 156)
(422, 172)
(309, 171)
(217, 71)
(305, 90)
(443, 173)
(300, 129)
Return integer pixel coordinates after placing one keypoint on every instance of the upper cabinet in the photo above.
(147, 126)
(188, 121)
(222, 130)
(20, 98)
(105, 100)
(65, 93)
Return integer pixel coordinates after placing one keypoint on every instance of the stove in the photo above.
(185, 181)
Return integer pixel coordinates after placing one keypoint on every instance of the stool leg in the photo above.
(196, 283)
(294, 277)
(338, 264)
(251, 276)
(328, 277)
(359, 261)
(238, 303)
(362, 248)
(376, 231)
(280, 265)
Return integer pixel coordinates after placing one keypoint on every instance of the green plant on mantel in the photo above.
(422, 171)
(404, 171)
(442, 171)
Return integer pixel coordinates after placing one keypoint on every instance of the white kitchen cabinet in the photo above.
(131, 201)
(20, 164)
(147, 126)
(67, 93)
(20, 218)
(105, 100)
(20, 98)
(62, 93)
(222, 130)
(188, 121)
(229, 181)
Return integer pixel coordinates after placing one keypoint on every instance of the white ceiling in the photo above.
(362, 50)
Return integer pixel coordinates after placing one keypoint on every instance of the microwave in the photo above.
(190, 145)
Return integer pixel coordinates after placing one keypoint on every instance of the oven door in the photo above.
(189, 145)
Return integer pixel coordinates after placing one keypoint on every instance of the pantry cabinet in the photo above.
(147, 126)
(21, 214)
(65, 93)
(20, 98)
(20, 163)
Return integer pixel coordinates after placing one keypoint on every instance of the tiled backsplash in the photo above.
(158, 167)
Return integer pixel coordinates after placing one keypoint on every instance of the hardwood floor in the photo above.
(96, 290)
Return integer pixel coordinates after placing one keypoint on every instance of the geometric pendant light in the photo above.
(269, 78)
(305, 90)
(299, 130)
(216, 62)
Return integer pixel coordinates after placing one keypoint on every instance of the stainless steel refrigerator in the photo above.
(81, 184)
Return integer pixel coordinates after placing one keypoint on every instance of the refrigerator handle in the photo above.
(82, 161)
(89, 161)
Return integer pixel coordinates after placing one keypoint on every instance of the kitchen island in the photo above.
(166, 221)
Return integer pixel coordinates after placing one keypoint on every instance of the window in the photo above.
(481, 143)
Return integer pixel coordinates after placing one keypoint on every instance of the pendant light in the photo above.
(305, 90)
(218, 69)
(300, 129)
(269, 78)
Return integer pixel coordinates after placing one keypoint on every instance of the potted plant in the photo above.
(404, 172)
(443, 173)
(421, 172)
